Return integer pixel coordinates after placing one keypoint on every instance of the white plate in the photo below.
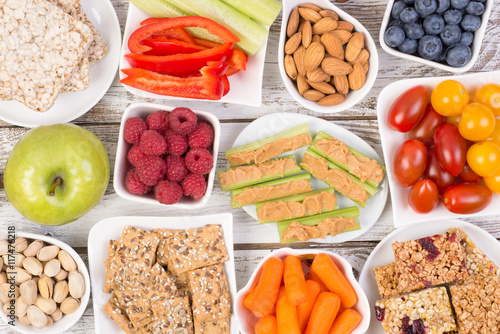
(69, 106)
(275, 123)
(383, 254)
(246, 86)
(111, 228)
(391, 140)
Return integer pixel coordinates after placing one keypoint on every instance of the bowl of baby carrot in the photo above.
(296, 291)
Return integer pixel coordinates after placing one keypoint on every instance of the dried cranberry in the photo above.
(380, 313)
(417, 326)
(428, 245)
(403, 298)
(406, 326)
(453, 237)
(426, 282)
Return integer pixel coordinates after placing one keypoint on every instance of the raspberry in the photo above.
(134, 155)
(183, 120)
(152, 143)
(134, 127)
(158, 121)
(151, 169)
(134, 185)
(194, 185)
(176, 168)
(199, 161)
(176, 143)
(202, 136)
(168, 192)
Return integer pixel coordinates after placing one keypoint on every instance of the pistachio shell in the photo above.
(50, 321)
(47, 253)
(24, 320)
(33, 248)
(21, 307)
(20, 275)
(33, 266)
(48, 306)
(46, 287)
(29, 291)
(69, 305)
(61, 291)
(76, 284)
(20, 244)
(3, 278)
(36, 317)
(67, 261)
(62, 275)
(15, 259)
(4, 247)
(52, 268)
(6, 294)
(57, 315)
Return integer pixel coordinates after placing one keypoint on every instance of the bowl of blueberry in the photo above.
(446, 34)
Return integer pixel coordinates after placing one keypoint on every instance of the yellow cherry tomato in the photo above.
(449, 98)
(493, 182)
(477, 122)
(489, 95)
(484, 158)
(454, 119)
(495, 136)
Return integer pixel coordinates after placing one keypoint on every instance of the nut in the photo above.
(46, 287)
(298, 57)
(306, 34)
(344, 25)
(29, 292)
(52, 268)
(15, 259)
(3, 278)
(290, 68)
(62, 275)
(324, 25)
(341, 84)
(317, 75)
(33, 266)
(343, 35)
(329, 13)
(47, 253)
(313, 56)
(316, 39)
(47, 306)
(67, 261)
(69, 305)
(354, 46)
(332, 100)
(36, 317)
(20, 244)
(6, 294)
(293, 43)
(334, 66)
(302, 84)
(313, 95)
(21, 307)
(366, 66)
(362, 57)
(33, 248)
(323, 87)
(50, 321)
(76, 284)
(57, 315)
(61, 291)
(311, 6)
(293, 23)
(24, 320)
(4, 247)
(356, 77)
(20, 275)
(310, 14)
(333, 45)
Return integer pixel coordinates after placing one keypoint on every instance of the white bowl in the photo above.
(354, 96)
(67, 320)
(122, 165)
(476, 44)
(247, 319)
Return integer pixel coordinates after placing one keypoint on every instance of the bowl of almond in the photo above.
(327, 59)
(44, 284)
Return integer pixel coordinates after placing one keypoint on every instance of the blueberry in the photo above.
(425, 8)
(470, 22)
(394, 36)
(396, 23)
(458, 55)
(452, 16)
(433, 24)
(451, 34)
(481, 0)
(443, 5)
(474, 8)
(409, 2)
(414, 30)
(458, 4)
(467, 38)
(397, 8)
(409, 15)
(442, 56)
(409, 46)
(430, 47)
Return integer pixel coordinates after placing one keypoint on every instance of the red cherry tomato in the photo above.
(467, 198)
(408, 109)
(468, 175)
(434, 172)
(409, 162)
(423, 196)
(451, 148)
(425, 129)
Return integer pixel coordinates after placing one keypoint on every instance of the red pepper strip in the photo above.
(150, 20)
(183, 21)
(180, 64)
(207, 86)
(165, 47)
(238, 59)
(206, 43)
(225, 81)
(232, 71)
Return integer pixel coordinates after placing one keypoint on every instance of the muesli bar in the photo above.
(386, 279)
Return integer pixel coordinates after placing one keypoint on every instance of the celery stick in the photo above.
(295, 170)
(289, 179)
(251, 34)
(263, 11)
(159, 8)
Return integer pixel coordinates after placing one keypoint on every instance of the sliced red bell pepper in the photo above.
(207, 86)
(238, 59)
(175, 33)
(165, 47)
(225, 81)
(206, 43)
(180, 64)
(134, 42)
(232, 71)
(150, 20)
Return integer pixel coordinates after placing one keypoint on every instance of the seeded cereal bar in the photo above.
(386, 279)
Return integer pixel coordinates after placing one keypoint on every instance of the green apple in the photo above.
(56, 174)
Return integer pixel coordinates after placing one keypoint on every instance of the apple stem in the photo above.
(56, 183)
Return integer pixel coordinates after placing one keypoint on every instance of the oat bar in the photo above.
(426, 311)
(221, 326)
(429, 261)
(386, 279)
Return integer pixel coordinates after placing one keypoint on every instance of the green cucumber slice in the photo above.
(159, 8)
(263, 11)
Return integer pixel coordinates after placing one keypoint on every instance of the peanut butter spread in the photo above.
(256, 172)
(269, 150)
(252, 195)
(336, 178)
(310, 205)
(363, 167)
(331, 226)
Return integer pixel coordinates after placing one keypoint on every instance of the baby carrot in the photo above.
(286, 315)
(333, 278)
(247, 302)
(266, 325)
(323, 313)
(268, 287)
(304, 310)
(345, 322)
(314, 277)
(295, 283)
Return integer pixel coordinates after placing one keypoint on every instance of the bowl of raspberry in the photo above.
(166, 155)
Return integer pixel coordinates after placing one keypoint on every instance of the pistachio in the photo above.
(46, 287)
(47, 253)
(20, 244)
(61, 291)
(20, 275)
(6, 293)
(29, 292)
(33, 248)
(69, 305)
(50, 321)
(15, 259)
(1, 262)
(57, 315)
(5, 308)
(62, 275)
(36, 317)
(3, 278)
(33, 266)
(21, 307)
(48, 306)
(76, 284)
(4, 247)
(24, 320)
(52, 268)
(67, 261)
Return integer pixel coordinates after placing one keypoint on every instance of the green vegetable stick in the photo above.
(159, 8)
(263, 11)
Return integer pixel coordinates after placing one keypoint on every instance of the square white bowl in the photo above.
(475, 48)
(122, 165)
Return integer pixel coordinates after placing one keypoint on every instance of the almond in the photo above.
(354, 46)
(332, 100)
(356, 77)
(313, 56)
(344, 25)
(362, 57)
(293, 23)
(310, 14)
(302, 84)
(301, 25)
(310, 6)
(343, 35)
(298, 58)
(323, 87)
(313, 95)
(329, 13)
(317, 75)
(292, 44)
(316, 38)
(324, 25)
(333, 45)
(366, 66)
(341, 84)
(334, 66)
(306, 34)
(290, 70)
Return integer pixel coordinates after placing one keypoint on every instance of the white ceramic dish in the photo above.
(476, 44)
(391, 140)
(275, 123)
(246, 86)
(354, 96)
(111, 228)
(68, 320)
(383, 254)
(69, 106)
(122, 165)
(247, 319)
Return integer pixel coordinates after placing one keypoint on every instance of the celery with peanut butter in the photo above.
(297, 206)
(270, 147)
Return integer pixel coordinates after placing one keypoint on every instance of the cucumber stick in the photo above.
(251, 34)
(263, 11)
(159, 8)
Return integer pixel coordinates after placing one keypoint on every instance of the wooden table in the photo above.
(251, 240)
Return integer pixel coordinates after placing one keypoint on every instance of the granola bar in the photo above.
(426, 311)
(386, 280)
